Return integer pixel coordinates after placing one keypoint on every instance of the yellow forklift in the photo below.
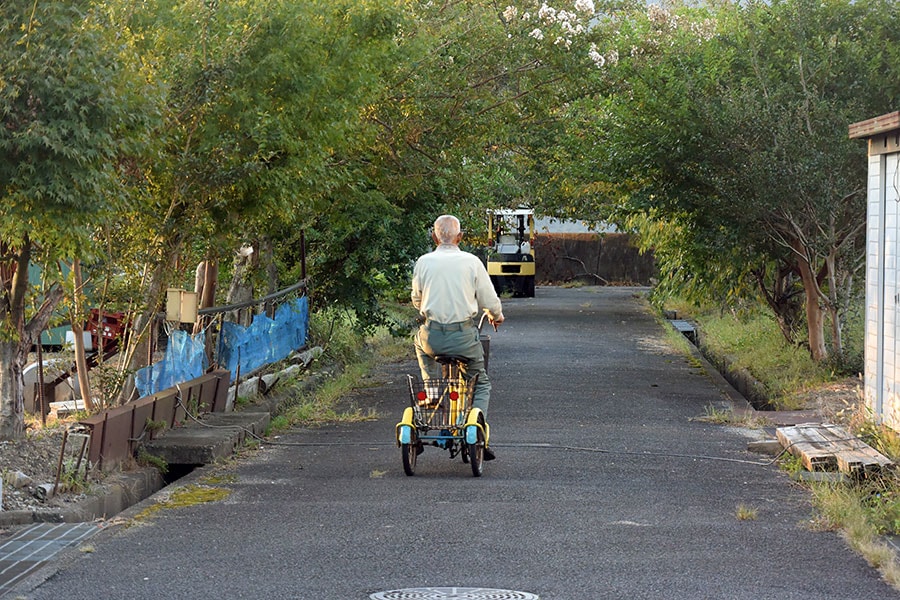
(510, 258)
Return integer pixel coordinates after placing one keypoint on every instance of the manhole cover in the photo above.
(453, 593)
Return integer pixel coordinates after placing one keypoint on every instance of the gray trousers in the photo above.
(457, 339)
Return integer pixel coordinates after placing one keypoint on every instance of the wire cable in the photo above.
(535, 445)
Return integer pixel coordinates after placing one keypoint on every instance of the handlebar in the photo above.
(484, 316)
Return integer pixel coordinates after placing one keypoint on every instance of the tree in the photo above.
(730, 123)
(256, 107)
(73, 103)
(464, 113)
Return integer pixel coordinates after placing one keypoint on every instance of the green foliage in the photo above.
(77, 107)
(726, 145)
(278, 423)
(74, 104)
(338, 333)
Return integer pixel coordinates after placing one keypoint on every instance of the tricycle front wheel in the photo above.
(476, 457)
(409, 452)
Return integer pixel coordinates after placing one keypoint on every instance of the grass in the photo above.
(746, 513)
(754, 343)
(357, 354)
(727, 416)
(848, 510)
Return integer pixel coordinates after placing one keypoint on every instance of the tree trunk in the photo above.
(19, 336)
(815, 314)
(241, 288)
(137, 354)
(81, 368)
(12, 396)
(205, 279)
(780, 299)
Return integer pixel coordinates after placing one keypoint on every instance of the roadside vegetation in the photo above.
(748, 338)
(351, 353)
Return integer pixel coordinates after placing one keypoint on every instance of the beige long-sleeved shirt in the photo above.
(449, 286)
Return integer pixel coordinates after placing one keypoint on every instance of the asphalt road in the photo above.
(605, 486)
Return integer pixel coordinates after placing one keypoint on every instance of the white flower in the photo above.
(536, 34)
(510, 13)
(585, 6)
(526, 16)
(596, 57)
(547, 13)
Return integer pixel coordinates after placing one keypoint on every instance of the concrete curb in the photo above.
(740, 405)
(121, 491)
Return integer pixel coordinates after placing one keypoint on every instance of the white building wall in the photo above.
(873, 283)
(882, 349)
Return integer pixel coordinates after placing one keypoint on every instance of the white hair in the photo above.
(446, 229)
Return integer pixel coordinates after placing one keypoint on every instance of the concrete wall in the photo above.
(592, 258)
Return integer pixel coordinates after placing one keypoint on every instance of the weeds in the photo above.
(746, 513)
(71, 479)
(146, 459)
(867, 508)
(327, 403)
(728, 416)
(790, 463)
(278, 423)
(863, 510)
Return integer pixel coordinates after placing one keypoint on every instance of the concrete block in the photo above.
(771, 447)
(249, 388)
(44, 491)
(19, 480)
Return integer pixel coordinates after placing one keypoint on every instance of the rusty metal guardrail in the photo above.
(115, 431)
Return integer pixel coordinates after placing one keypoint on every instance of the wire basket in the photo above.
(441, 402)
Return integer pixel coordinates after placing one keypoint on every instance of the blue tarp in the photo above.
(184, 360)
(266, 340)
(248, 348)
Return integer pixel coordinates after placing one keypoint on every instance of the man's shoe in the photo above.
(489, 454)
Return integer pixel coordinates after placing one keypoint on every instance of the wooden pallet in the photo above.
(825, 447)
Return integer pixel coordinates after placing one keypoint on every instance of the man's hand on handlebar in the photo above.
(495, 322)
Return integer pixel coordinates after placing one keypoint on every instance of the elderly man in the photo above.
(450, 289)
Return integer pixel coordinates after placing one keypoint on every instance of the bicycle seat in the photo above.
(449, 359)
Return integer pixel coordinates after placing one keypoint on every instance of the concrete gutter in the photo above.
(120, 491)
(217, 436)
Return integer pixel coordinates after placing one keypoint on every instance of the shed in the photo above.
(882, 345)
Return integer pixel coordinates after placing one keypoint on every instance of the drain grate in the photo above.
(32, 548)
(453, 593)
